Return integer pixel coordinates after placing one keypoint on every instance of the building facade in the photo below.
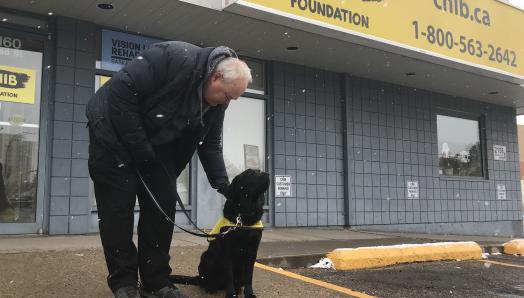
(357, 127)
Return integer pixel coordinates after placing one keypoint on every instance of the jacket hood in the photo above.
(217, 55)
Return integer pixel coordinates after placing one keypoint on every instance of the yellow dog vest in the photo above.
(224, 222)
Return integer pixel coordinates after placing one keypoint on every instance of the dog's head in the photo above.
(245, 196)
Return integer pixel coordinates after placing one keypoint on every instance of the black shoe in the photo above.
(165, 292)
(127, 292)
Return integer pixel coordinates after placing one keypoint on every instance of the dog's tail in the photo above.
(185, 280)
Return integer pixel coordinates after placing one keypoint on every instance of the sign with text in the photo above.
(282, 186)
(119, 48)
(412, 189)
(20, 88)
(20, 43)
(499, 152)
(482, 33)
(251, 158)
(17, 84)
(501, 192)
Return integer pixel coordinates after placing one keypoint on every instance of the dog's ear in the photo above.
(261, 200)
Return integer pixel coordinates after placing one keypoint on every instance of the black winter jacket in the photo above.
(157, 99)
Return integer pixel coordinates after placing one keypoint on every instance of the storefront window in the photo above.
(459, 144)
(20, 84)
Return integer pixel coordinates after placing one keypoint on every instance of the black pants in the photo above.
(116, 189)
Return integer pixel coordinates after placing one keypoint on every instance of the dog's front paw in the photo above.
(250, 295)
(231, 295)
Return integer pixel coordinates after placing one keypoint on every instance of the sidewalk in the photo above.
(275, 242)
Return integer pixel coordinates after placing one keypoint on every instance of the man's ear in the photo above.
(216, 76)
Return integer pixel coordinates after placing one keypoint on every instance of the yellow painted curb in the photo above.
(380, 256)
(514, 247)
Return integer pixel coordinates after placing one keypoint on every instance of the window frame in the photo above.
(481, 119)
(257, 93)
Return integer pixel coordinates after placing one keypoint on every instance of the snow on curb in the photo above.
(324, 263)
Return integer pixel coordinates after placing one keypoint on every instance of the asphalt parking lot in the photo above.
(74, 267)
(498, 276)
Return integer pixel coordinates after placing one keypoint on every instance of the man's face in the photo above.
(216, 91)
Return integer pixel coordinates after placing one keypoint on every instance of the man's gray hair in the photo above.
(233, 69)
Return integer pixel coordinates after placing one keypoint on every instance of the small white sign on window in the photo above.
(501, 191)
(499, 152)
(282, 186)
(412, 188)
(251, 159)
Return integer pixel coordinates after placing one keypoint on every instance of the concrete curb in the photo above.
(514, 247)
(381, 256)
(306, 260)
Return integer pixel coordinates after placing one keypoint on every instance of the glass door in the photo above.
(20, 94)
(244, 139)
(244, 136)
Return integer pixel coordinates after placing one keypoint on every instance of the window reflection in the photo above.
(19, 126)
(18, 182)
(459, 147)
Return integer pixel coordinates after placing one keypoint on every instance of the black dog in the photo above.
(229, 261)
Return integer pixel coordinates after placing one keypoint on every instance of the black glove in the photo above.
(144, 154)
(223, 189)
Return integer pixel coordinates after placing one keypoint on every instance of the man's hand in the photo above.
(144, 155)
